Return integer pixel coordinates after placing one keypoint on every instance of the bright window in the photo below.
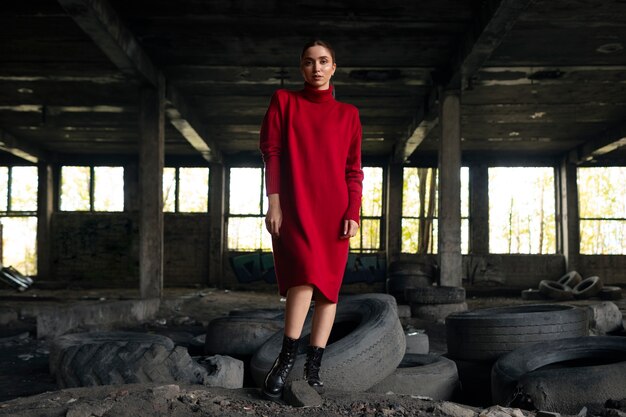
(186, 190)
(420, 210)
(23, 189)
(247, 205)
(89, 188)
(465, 210)
(521, 210)
(108, 192)
(602, 210)
(169, 189)
(18, 215)
(367, 238)
(4, 188)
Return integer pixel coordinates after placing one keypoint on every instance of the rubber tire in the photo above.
(610, 293)
(436, 312)
(556, 291)
(112, 358)
(588, 287)
(59, 344)
(571, 279)
(397, 285)
(563, 389)
(486, 334)
(239, 336)
(425, 375)
(435, 295)
(532, 294)
(366, 345)
(262, 313)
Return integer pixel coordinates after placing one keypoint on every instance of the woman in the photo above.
(311, 146)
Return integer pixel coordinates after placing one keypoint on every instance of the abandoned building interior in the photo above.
(493, 146)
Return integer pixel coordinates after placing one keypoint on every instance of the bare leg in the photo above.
(296, 309)
(323, 319)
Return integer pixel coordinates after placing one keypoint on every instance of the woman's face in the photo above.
(317, 67)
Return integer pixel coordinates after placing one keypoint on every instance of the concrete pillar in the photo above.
(151, 154)
(568, 224)
(131, 187)
(479, 210)
(45, 208)
(393, 212)
(56, 187)
(450, 190)
(217, 191)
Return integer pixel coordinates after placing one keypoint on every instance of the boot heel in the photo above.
(277, 376)
(312, 368)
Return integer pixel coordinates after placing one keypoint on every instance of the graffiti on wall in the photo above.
(259, 266)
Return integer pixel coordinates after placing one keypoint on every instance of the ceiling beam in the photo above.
(175, 108)
(491, 24)
(20, 148)
(493, 21)
(103, 25)
(424, 121)
(608, 141)
(548, 75)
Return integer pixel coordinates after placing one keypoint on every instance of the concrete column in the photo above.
(479, 209)
(217, 191)
(450, 190)
(393, 212)
(45, 208)
(151, 154)
(56, 187)
(568, 223)
(131, 187)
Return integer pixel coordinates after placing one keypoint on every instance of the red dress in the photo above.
(311, 146)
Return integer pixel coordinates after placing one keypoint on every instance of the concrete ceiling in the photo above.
(538, 78)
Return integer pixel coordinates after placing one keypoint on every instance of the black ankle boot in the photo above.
(277, 376)
(312, 367)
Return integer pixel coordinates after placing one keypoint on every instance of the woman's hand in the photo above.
(274, 216)
(350, 227)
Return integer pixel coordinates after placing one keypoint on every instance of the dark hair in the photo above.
(318, 42)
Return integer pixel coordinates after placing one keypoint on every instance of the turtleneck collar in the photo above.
(317, 96)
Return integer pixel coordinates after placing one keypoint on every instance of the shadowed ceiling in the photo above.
(538, 79)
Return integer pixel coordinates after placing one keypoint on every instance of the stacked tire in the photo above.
(242, 333)
(113, 358)
(424, 375)
(572, 286)
(366, 345)
(563, 375)
(476, 339)
(435, 303)
(403, 275)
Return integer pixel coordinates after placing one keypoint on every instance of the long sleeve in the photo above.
(270, 145)
(354, 175)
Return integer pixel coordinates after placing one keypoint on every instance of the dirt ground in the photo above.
(179, 401)
(28, 390)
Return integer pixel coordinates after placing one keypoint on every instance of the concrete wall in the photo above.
(610, 268)
(186, 241)
(101, 249)
(512, 271)
(499, 270)
(95, 249)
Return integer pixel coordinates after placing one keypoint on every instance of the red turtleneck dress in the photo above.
(311, 146)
